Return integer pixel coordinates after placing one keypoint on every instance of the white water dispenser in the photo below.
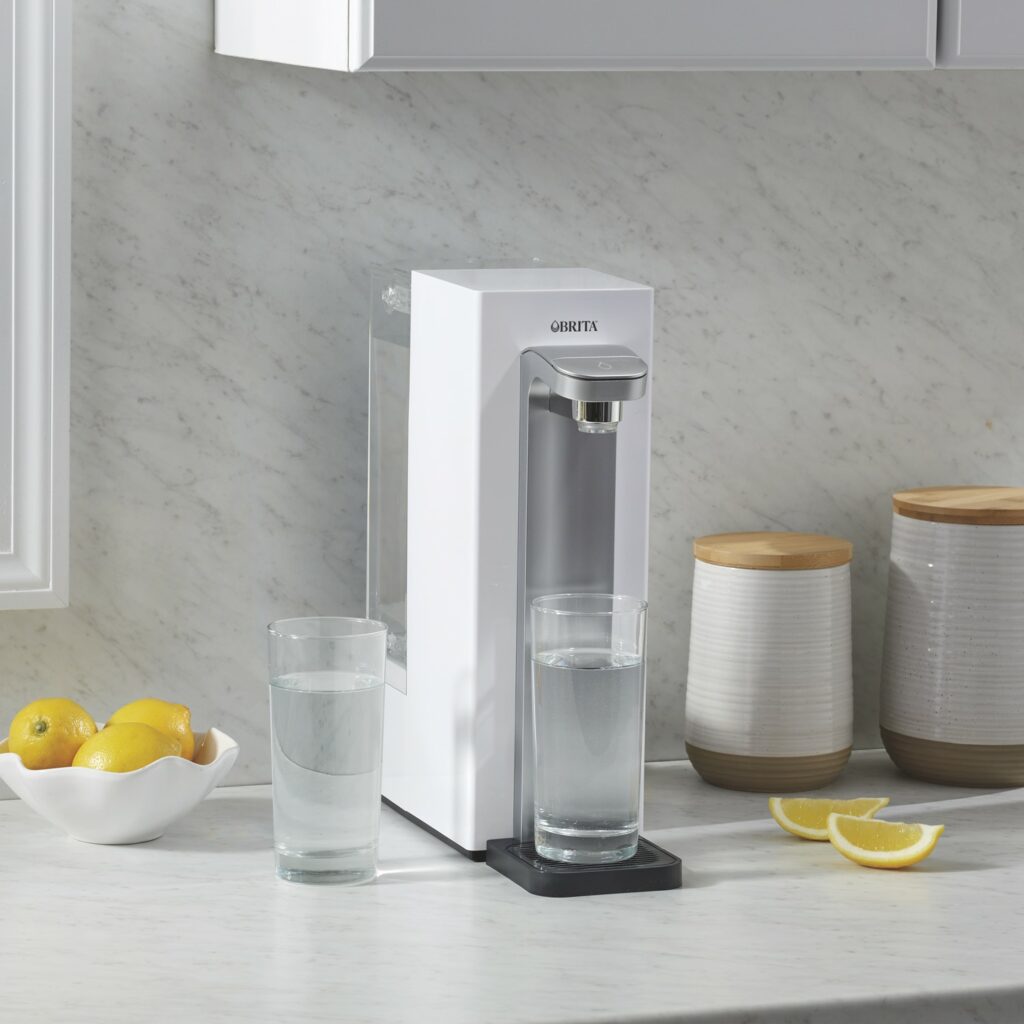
(509, 457)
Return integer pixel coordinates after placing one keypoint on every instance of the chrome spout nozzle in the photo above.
(597, 417)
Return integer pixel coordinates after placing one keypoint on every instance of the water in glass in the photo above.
(325, 754)
(588, 722)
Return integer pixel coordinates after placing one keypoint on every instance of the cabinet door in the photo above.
(527, 34)
(35, 127)
(981, 34)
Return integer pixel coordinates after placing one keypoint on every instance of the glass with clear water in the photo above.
(588, 715)
(326, 722)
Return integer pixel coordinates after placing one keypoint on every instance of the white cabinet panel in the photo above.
(982, 34)
(527, 34)
(35, 129)
(313, 33)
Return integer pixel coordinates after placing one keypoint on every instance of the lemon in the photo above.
(808, 818)
(125, 747)
(882, 844)
(47, 733)
(174, 720)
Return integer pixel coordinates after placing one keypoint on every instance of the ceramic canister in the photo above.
(769, 697)
(952, 708)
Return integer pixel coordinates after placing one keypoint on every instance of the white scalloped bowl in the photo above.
(114, 808)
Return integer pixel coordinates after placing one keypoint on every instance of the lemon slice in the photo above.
(882, 844)
(808, 818)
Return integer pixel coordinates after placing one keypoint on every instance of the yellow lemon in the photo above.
(47, 733)
(125, 747)
(174, 720)
(882, 844)
(808, 818)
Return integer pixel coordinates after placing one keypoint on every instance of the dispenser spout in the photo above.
(596, 380)
(597, 417)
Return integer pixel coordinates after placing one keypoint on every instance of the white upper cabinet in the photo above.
(982, 34)
(411, 35)
(35, 256)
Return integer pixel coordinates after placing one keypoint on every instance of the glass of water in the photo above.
(326, 722)
(588, 721)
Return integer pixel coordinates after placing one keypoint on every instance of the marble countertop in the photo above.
(195, 927)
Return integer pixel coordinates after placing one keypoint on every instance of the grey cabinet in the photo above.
(370, 35)
(981, 34)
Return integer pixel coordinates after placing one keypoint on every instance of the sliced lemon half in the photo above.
(808, 818)
(882, 844)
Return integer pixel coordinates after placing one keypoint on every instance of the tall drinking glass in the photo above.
(326, 721)
(588, 718)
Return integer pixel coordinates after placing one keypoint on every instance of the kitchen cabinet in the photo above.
(35, 222)
(379, 35)
(981, 34)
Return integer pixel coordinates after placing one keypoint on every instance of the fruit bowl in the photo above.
(121, 807)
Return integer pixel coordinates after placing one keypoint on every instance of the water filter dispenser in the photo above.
(509, 457)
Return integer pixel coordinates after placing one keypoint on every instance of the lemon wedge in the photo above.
(882, 844)
(808, 818)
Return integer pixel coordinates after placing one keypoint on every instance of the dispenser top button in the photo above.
(591, 367)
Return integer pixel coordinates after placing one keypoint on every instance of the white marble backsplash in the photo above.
(838, 261)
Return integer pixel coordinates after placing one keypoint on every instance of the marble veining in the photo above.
(767, 928)
(837, 258)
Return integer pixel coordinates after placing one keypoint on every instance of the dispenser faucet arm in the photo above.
(585, 373)
(591, 381)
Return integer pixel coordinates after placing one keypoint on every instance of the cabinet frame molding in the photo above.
(35, 276)
(981, 34)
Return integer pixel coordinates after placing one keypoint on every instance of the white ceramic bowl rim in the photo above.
(223, 741)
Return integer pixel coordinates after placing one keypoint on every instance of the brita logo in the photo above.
(572, 326)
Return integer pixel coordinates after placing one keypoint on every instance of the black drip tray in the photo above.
(651, 869)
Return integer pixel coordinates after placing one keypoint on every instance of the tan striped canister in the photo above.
(769, 697)
(952, 702)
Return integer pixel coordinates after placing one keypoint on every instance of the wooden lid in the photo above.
(773, 550)
(977, 506)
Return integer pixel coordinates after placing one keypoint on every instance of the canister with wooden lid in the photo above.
(952, 702)
(769, 698)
